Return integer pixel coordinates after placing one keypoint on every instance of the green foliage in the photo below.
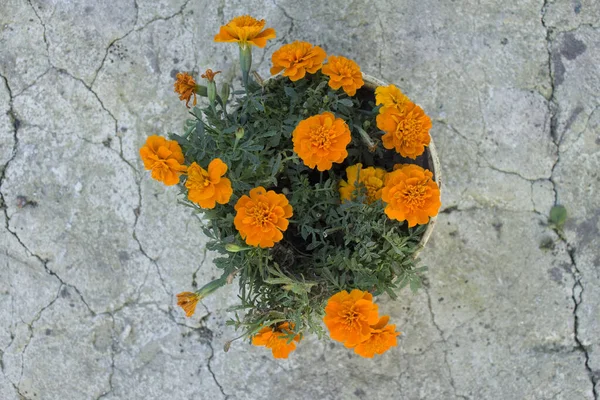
(329, 246)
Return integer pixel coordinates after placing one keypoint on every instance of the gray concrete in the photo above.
(92, 250)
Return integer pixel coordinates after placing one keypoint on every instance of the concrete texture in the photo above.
(92, 250)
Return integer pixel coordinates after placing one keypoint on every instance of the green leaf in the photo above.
(345, 102)
(290, 92)
(558, 216)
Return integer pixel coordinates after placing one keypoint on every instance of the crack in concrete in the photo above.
(31, 331)
(137, 210)
(208, 366)
(552, 103)
(205, 333)
(195, 273)
(110, 114)
(113, 346)
(583, 25)
(580, 133)
(288, 16)
(16, 124)
(578, 288)
(515, 173)
(45, 37)
(137, 15)
(480, 156)
(35, 81)
(445, 350)
(134, 29)
(577, 296)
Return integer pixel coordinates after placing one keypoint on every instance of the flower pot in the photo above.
(429, 160)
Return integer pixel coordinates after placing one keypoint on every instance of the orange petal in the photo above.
(216, 169)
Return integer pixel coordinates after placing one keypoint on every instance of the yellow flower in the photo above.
(164, 158)
(188, 301)
(411, 195)
(206, 188)
(343, 73)
(321, 140)
(390, 97)
(407, 131)
(383, 337)
(349, 316)
(245, 30)
(370, 178)
(296, 59)
(262, 216)
(185, 85)
(276, 339)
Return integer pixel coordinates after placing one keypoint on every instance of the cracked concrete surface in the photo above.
(92, 250)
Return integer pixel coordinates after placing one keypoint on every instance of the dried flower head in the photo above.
(206, 188)
(382, 338)
(407, 131)
(164, 158)
(209, 75)
(349, 316)
(343, 73)
(411, 195)
(245, 30)
(321, 140)
(262, 217)
(188, 301)
(296, 59)
(185, 85)
(370, 178)
(276, 339)
(390, 97)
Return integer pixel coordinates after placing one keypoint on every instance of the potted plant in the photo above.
(318, 187)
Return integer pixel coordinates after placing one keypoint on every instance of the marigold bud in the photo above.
(233, 248)
(212, 93)
(225, 91)
(239, 133)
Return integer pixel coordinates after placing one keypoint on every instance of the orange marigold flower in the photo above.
(321, 140)
(407, 131)
(262, 217)
(411, 195)
(343, 73)
(276, 339)
(297, 59)
(164, 158)
(206, 188)
(185, 85)
(188, 301)
(390, 96)
(209, 75)
(245, 30)
(349, 316)
(370, 178)
(383, 337)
